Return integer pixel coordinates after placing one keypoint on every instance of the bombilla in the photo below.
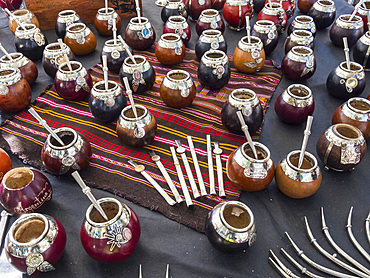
(65, 55)
(346, 52)
(127, 49)
(87, 191)
(129, 93)
(105, 70)
(248, 27)
(307, 133)
(5, 52)
(45, 125)
(114, 29)
(138, 10)
(20, 24)
(355, 10)
(246, 132)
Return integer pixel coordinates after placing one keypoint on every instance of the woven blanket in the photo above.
(109, 169)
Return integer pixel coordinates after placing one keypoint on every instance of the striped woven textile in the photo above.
(109, 169)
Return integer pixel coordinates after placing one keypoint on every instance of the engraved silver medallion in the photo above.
(115, 54)
(178, 50)
(215, 45)
(109, 102)
(247, 110)
(80, 39)
(255, 54)
(3, 90)
(350, 154)
(255, 173)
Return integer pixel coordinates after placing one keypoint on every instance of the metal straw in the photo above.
(246, 133)
(138, 10)
(106, 6)
(211, 174)
(270, 3)
(202, 187)
(105, 70)
(248, 27)
(127, 49)
(87, 191)
(307, 134)
(65, 55)
(346, 52)
(368, 20)
(129, 93)
(6, 52)
(355, 10)
(168, 271)
(20, 24)
(140, 273)
(114, 29)
(45, 125)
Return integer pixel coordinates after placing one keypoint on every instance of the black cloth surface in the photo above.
(188, 252)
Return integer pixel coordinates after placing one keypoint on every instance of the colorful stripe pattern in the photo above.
(109, 169)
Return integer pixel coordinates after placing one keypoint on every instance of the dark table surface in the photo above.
(188, 252)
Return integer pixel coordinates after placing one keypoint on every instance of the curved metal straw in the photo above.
(352, 237)
(325, 229)
(299, 266)
(278, 268)
(367, 227)
(140, 273)
(282, 266)
(325, 253)
(314, 264)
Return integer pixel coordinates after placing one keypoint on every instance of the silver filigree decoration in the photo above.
(178, 50)
(201, 2)
(109, 102)
(39, 38)
(110, 23)
(68, 161)
(139, 132)
(255, 54)
(3, 90)
(215, 45)
(350, 154)
(35, 261)
(185, 92)
(81, 84)
(80, 39)
(115, 54)
(145, 33)
(271, 35)
(181, 33)
(247, 110)
(250, 65)
(137, 80)
(118, 236)
(214, 25)
(58, 60)
(255, 173)
(252, 238)
(219, 71)
(309, 66)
